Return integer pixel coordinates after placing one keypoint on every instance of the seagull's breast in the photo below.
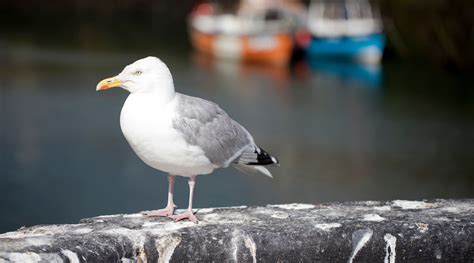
(148, 128)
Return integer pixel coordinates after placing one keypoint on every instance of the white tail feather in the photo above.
(253, 170)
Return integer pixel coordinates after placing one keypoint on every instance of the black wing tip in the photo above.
(264, 158)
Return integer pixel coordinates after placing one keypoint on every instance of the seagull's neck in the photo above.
(159, 98)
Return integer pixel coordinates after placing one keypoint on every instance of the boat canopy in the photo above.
(249, 18)
(349, 18)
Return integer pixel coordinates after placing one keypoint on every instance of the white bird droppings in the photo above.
(359, 239)
(382, 208)
(293, 206)
(133, 215)
(106, 216)
(206, 210)
(70, 255)
(373, 217)
(84, 230)
(235, 207)
(280, 215)
(390, 252)
(24, 257)
(151, 224)
(250, 244)
(327, 226)
(166, 246)
(237, 237)
(405, 204)
(235, 246)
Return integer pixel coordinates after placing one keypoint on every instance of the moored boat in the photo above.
(265, 37)
(345, 29)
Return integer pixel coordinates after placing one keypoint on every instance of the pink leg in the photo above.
(189, 213)
(169, 209)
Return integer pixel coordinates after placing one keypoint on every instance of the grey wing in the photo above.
(205, 124)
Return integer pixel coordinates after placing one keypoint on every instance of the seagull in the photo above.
(179, 134)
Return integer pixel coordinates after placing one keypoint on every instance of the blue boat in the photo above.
(345, 29)
(366, 49)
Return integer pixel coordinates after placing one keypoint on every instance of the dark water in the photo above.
(341, 132)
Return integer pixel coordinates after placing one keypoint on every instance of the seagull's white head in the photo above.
(148, 74)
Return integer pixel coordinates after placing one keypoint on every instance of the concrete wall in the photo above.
(392, 231)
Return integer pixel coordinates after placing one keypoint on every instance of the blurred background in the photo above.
(359, 100)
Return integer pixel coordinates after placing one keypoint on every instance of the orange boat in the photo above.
(275, 48)
(245, 38)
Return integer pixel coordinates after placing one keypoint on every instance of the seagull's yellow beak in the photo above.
(109, 83)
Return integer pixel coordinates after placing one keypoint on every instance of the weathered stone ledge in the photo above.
(428, 231)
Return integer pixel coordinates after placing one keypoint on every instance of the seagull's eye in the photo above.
(138, 72)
